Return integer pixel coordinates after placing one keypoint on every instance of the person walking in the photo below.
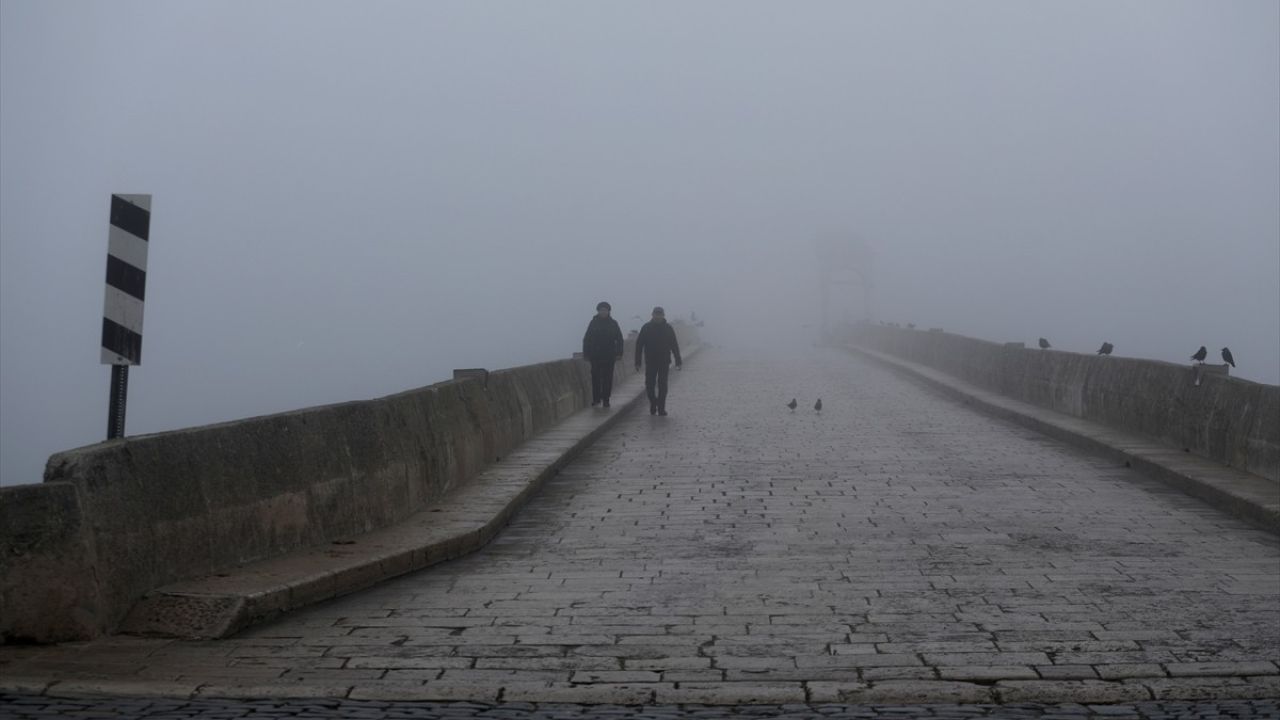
(602, 346)
(656, 344)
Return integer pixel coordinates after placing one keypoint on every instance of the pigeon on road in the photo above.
(1044, 344)
(1200, 355)
(1106, 348)
(1226, 357)
(818, 405)
(792, 404)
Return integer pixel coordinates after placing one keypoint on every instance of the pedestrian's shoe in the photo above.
(662, 411)
(595, 402)
(606, 402)
(653, 408)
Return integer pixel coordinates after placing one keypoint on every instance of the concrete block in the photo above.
(47, 565)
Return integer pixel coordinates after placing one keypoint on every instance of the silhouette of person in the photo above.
(656, 344)
(602, 346)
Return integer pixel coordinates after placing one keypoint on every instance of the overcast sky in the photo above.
(351, 199)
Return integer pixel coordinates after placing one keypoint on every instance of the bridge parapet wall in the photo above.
(1230, 420)
(116, 519)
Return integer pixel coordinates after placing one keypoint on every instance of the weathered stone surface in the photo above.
(884, 531)
(47, 592)
(1077, 691)
(123, 518)
(1229, 420)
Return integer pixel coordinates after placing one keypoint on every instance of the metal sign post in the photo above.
(127, 243)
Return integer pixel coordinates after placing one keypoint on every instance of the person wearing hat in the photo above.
(602, 346)
(656, 344)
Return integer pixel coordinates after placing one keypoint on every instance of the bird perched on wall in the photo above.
(792, 404)
(1200, 355)
(1044, 344)
(818, 405)
(1226, 357)
(1106, 348)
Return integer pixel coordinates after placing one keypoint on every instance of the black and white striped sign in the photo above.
(126, 279)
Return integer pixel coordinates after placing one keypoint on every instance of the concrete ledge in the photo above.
(464, 520)
(1246, 496)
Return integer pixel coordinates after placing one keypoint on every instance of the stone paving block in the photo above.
(693, 676)
(614, 676)
(794, 674)
(988, 672)
(331, 677)
(410, 675)
(1136, 635)
(1269, 682)
(1114, 658)
(1077, 691)
(868, 649)
(18, 685)
(131, 688)
(1126, 671)
(1260, 667)
(667, 663)
(904, 692)
(1067, 672)
(573, 662)
(917, 672)
(733, 662)
(1203, 688)
(498, 677)
(425, 692)
(277, 690)
(993, 658)
(859, 660)
(835, 692)
(731, 693)
(428, 662)
(1058, 646)
(978, 646)
(504, 650)
(611, 693)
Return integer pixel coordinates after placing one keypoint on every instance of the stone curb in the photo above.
(465, 520)
(889, 692)
(1249, 497)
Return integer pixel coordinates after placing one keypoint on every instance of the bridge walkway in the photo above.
(896, 547)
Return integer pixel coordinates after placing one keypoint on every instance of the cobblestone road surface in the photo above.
(897, 548)
(41, 708)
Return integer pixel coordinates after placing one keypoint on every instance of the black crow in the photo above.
(792, 404)
(1200, 355)
(1226, 357)
(818, 405)
(1106, 348)
(1044, 344)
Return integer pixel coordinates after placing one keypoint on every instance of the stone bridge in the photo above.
(1018, 527)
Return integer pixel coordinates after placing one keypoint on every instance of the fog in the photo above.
(351, 199)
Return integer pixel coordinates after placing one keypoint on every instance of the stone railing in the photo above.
(114, 520)
(1233, 421)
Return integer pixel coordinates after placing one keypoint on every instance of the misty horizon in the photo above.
(351, 201)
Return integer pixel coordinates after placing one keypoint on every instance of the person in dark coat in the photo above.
(602, 346)
(656, 344)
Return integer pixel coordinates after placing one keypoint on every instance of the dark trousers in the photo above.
(601, 378)
(656, 374)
